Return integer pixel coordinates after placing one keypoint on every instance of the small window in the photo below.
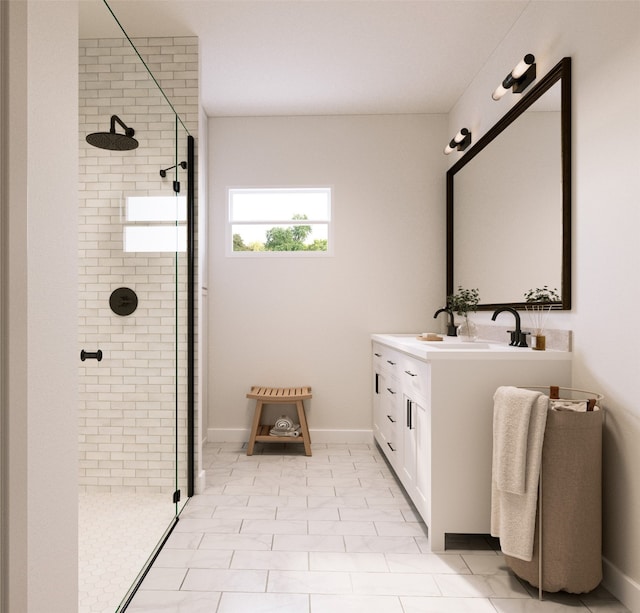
(155, 224)
(284, 221)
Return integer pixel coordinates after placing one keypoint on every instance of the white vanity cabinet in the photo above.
(433, 420)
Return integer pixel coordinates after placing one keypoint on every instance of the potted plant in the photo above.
(461, 303)
(539, 302)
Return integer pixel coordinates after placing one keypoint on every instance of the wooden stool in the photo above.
(279, 395)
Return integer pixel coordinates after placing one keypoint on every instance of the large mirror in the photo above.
(509, 201)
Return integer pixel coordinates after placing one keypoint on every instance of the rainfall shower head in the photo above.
(113, 141)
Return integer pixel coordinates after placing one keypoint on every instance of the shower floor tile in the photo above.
(117, 533)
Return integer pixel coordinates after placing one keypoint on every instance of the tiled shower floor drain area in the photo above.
(117, 533)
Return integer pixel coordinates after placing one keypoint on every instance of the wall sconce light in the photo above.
(519, 78)
(460, 141)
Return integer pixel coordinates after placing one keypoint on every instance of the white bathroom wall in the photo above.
(128, 401)
(307, 321)
(39, 359)
(602, 40)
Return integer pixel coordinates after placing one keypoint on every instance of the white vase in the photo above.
(467, 330)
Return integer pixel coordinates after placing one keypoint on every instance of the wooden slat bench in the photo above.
(279, 395)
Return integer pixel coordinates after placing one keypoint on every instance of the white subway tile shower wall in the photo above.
(128, 400)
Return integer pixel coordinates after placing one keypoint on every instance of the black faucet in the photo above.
(518, 338)
(451, 326)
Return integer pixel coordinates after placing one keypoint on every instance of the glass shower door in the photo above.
(133, 328)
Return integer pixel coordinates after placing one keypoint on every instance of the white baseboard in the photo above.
(624, 588)
(241, 435)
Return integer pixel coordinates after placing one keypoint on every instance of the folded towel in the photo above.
(283, 423)
(579, 406)
(513, 514)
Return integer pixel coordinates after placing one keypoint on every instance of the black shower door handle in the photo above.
(91, 355)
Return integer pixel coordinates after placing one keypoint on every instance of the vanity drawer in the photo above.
(391, 418)
(386, 360)
(415, 377)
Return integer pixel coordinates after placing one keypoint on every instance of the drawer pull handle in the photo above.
(390, 447)
(378, 355)
(390, 390)
(390, 362)
(411, 374)
(393, 421)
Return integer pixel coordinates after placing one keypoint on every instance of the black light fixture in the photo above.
(460, 141)
(519, 78)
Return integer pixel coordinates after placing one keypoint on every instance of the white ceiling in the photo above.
(319, 57)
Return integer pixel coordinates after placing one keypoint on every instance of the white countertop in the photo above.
(452, 347)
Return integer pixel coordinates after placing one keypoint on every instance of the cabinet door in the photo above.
(378, 406)
(409, 446)
(422, 483)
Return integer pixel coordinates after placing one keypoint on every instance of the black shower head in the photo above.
(112, 140)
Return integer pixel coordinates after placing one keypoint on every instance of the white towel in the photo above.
(517, 440)
(511, 417)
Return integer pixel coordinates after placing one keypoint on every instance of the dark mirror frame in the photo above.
(561, 72)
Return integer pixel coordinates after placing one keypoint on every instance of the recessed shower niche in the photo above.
(136, 427)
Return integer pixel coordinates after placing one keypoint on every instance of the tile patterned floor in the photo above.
(331, 533)
(114, 544)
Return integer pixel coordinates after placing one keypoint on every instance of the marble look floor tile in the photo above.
(348, 562)
(485, 586)
(282, 480)
(367, 492)
(217, 526)
(381, 544)
(192, 558)
(278, 501)
(342, 527)
(344, 502)
(271, 560)
(263, 603)
(164, 579)
(349, 514)
(293, 490)
(532, 605)
(252, 490)
(486, 564)
(244, 512)
(273, 526)
(166, 601)
(209, 580)
(400, 528)
(307, 543)
(257, 542)
(426, 563)
(319, 514)
(309, 582)
(213, 500)
(333, 481)
(354, 603)
(185, 540)
(362, 548)
(401, 584)
(390, 502)
(418, 604)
